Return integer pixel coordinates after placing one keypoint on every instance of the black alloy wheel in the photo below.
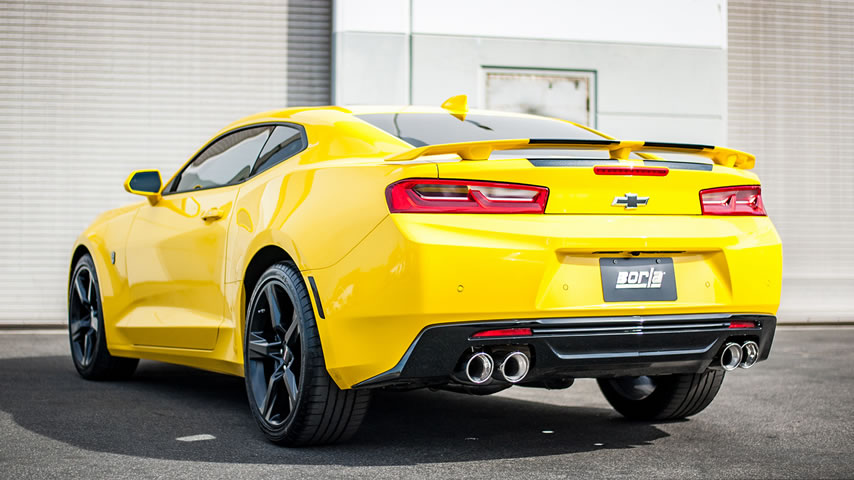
(291, 395)
(86, 334)
(662, 397)
(274, 354)
(84, 312)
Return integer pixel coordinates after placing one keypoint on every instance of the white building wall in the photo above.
(660, 66)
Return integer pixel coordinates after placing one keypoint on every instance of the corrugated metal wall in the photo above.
(90, 90)
(791, 102)
(309, 50)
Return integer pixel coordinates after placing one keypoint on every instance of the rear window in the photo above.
(420, 129)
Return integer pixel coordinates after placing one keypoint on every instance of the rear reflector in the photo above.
(631, 170)
(742, 200)
(417, 195)
(504, 332)
(742, 325)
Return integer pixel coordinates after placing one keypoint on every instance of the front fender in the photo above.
(106, 236)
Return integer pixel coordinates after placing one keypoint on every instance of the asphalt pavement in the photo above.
(789, 417)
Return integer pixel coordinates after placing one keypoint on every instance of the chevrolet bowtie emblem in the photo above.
(630, 200)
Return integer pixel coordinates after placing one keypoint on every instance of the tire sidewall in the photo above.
(667, 401)
(649, 408)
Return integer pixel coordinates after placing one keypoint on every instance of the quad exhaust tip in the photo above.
(514, 367)
(750, 354)
(479, 368)
(731, 356)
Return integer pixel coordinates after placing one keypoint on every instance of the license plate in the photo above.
(637, 279)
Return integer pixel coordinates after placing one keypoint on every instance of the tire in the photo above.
(665, 397)
(291, 395)
(86, 334)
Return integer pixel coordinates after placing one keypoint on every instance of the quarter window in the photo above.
(227, 161)
(284, 143)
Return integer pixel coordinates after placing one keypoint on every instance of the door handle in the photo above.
(212, 214)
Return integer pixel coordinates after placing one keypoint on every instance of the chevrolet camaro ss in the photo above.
(325, 252)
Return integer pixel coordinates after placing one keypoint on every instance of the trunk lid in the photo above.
(576, 188)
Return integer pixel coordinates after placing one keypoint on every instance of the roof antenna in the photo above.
(457, 106)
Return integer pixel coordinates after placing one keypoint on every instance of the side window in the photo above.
(227, 161)
(285, 142)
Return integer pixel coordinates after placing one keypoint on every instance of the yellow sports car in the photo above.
(324, 252)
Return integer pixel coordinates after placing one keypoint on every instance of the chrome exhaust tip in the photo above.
(514, 367)
(731, 356)
(479, 368)
(750, 354)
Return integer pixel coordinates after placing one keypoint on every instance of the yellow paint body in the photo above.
(175, 292)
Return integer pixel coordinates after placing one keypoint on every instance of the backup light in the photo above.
(416, 195)
(741, 200)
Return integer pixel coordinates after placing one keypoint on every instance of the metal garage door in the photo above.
(791, 101)
(90, 90)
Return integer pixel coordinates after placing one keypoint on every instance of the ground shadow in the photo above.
(143, 417)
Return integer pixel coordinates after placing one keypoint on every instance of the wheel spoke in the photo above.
(271, 395)
(81, 294)
(261, 348)
(88, 347)
(292, 328)
(89, 291)
(80, 327)
(273, 302)
(291, 387)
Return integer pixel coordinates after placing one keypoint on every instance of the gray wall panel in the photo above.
(371, 68)
(661, 85)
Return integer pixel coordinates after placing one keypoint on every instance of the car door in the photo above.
(176, 248)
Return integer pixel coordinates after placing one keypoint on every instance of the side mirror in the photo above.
(146, 183)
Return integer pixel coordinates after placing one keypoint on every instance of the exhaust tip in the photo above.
(515, 366)
(750, 351)
(731, 356)
(479, 368)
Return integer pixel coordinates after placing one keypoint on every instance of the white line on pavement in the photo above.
(196, 438)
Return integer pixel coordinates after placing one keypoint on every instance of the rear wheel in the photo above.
(291, 396)
(664, 397)
(86, 328)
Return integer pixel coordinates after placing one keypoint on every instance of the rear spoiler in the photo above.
(616, 148)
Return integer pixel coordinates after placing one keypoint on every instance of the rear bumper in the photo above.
(417, 271)
(583, 347)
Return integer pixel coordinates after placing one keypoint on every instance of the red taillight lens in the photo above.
(504, 332)
(416, 195)
(744, 200)
(631, 170)
(742, 325)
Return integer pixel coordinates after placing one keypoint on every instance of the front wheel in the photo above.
(86, 333)
(663, 397)
(291, 395)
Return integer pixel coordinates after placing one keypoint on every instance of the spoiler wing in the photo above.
(617, 149)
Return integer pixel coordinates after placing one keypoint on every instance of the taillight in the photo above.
(743, 200)
(421, 195)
